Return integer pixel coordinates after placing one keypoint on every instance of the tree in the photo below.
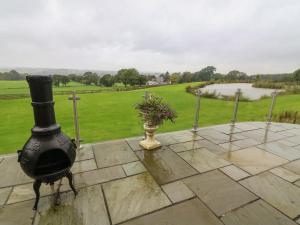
(107, 80)
(142, 80)
(65, 80)
(236, 75)
(205, 74)
(296, 75)
(186, 77)
(175, 77)
(89, 78)
(128, 76)
(56, 80)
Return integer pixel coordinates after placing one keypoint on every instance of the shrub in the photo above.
(287, 117)
(154, 111)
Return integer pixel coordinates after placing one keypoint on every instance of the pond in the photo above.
(229, 89)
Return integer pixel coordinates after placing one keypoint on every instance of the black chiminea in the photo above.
(48, 154)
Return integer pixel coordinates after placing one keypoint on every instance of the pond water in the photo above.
(230, 89)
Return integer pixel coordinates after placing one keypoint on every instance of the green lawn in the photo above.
(111, 115)
(21, 87)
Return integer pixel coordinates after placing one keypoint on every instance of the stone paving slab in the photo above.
(83, 166)
(218, 137)
(113, 153)
(177, 191)
(220, 193)
(227, 129)
(285, 174)
(87, 208)
(17, 214)
(11, 173)
(134, 143)
(191, 212)
(85, 153)
(177, 137)
(98, 176)
(293, 166)
(133, 196)
(256, 213)
(246, 143)
(134, 168)
(212, 147)
(4, 193)
(165, 165)
(254, 160)
(203, 160)
(263, 135)
(281, 150)
(181, 147)
(281, 194)
(234, 172)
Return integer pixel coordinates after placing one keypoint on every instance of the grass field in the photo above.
(21, 87)
(111, 115)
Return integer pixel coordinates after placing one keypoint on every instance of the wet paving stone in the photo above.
(113, 153)
(230, 146)
(293, 166)
(177, 191)
(295, 139)
(285, 174)
(191, 212)
(263, 135)
(98, 176)
(254, 160)
(256, 213)
(203, 160)
(134, 143)
(181, 147)
(133, 196)
(214, 148)
(218, 137)
(246, 143)
(87, 208)
(234, 172)
(4, 193)
(220, 193)
(17, 214)
(134, 168)
(250, 126)
(83, 166)
(281, 150)
(165, 165)
(281, 194)
(85, 153)
(227, 129)
(11, 173)
(177, 137)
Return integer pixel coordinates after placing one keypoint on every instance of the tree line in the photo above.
(132, 77)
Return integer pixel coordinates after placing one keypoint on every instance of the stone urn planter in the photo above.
(150, 143)
(153, 112)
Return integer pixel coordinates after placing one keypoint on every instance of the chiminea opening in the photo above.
(49, 154)
(51, 161)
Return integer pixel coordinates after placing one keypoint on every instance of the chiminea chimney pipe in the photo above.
(43, 105)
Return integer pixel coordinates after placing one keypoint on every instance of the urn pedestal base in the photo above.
(150, 143)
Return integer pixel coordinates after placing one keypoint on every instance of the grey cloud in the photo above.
(158, 35)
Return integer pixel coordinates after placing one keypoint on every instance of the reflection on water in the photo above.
(230, 89)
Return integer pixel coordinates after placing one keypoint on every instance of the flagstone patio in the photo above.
(246, 175)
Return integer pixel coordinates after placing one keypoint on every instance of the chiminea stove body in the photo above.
(49, 154)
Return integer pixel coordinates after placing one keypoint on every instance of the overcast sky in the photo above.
(254, 36)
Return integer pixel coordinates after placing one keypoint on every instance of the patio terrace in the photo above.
(246, 176)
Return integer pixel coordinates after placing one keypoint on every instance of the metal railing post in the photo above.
(236, 105)
(74, 99)
(270, 115)
(196, 122)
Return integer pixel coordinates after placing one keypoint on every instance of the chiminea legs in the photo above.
(69, 175)
(37, 185)
(36, 188)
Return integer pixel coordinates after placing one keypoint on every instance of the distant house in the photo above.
(152, 83)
